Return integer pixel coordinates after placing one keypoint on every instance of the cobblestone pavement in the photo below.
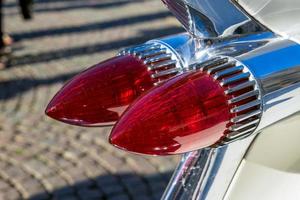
(44, 159)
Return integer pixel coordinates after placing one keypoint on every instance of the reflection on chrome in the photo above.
(207, 173)
(212, 18)
(274, 63)
(219, 28)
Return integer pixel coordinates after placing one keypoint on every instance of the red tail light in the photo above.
(99, 95)
(192, 111)
(184, 114)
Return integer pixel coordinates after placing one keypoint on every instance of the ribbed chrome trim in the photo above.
(160, 61)
(244, 96)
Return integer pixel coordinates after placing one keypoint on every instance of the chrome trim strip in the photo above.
(240, 87)
(214, 68)
(153, 52)
(207, 173)
(157, 58)
(213, 63)
(244, 96)
(234, 79)
(162, 64)
(245, 106)
(164, 73)
(228, 72)
(238, 127)
(237, 136)
(246, 116)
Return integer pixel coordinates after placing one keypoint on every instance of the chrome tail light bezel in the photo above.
(235, 78)
(160, 60)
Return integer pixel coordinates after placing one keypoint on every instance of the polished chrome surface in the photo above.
(272, 62)
(212, 18)
(160, 60)
(207, 173)
(274, 67)
(182, 45)
(190, 50)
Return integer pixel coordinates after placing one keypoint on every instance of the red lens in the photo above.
(99, 95)
(187, 113)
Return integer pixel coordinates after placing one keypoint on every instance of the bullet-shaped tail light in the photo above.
(216, 104)
(99, 95)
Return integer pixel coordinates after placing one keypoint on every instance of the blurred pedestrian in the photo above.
(5, 40)
(26, 8)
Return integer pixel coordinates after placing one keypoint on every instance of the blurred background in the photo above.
(44, 159)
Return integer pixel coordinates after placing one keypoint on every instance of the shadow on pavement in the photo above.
(103, 185)
(91, 27)
(112, 187)
(87, 5)
(12, 88)
(90, 49)
(75, 4)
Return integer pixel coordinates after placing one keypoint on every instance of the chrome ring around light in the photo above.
(245, 97)
(160, 60)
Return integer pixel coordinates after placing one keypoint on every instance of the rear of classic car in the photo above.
(225, 95)
(260, 158)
